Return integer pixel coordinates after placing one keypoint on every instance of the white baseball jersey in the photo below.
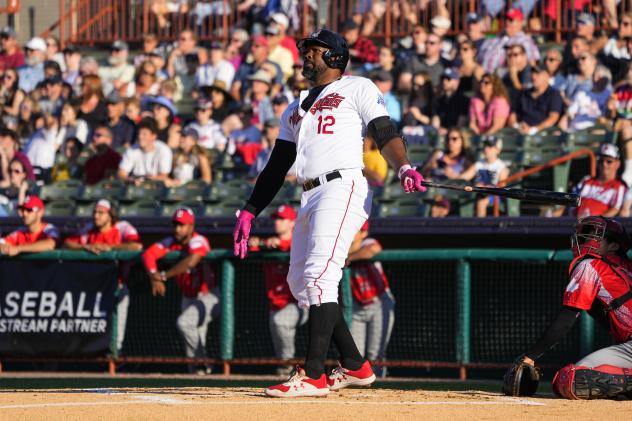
(329, 136)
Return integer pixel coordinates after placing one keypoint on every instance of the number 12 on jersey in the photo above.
(325, 124)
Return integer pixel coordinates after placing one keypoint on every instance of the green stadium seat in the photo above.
(590, 138)
(512, 138)
(168, 209)
(60, 208)
(234, 189)
(223, 209)
(147, 191)
(106, 189)
(195, 189)
(141, 208)
(402, 207)
(552, 138)
(69, 189)
(83, 210)
(419, 154)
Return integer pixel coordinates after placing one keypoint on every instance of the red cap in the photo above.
(184, 216)
(514, 14)
(32, 202)
(259, 40)
(285, 212)
(365, 226)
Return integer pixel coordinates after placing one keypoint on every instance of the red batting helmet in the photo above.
(591, 230)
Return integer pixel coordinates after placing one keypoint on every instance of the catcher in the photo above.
(601, 283)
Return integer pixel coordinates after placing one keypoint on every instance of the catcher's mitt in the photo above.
(521, 379)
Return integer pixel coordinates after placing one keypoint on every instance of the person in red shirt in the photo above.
(601, 284)
(105, 162)
(373, 302)
(11, 56)
(106, 233)
(195, 278)
(35, 236)
(285, 316)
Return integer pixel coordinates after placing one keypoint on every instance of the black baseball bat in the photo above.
(528, 195)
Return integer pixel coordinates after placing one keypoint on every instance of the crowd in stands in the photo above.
(171, 112)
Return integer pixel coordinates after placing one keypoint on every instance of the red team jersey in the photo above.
(275, 278)
(23, 236)
(593, 281)
(121, 232)
(368, 280)
(598, 197)
(200, 279)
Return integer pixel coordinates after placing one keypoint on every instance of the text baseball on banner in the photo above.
(51, 307)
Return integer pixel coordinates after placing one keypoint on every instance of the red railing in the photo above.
(103, 21)
(13, 6)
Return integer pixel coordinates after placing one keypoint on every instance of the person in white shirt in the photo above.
(209, 131)
(148, 159)
(217, 68)
(119, 72)
(41, 148)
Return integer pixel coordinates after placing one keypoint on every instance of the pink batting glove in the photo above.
(242, 232)
(411, 179)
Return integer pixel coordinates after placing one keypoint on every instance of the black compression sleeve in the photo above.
(272, 177)
(555, 332)
(382, 130)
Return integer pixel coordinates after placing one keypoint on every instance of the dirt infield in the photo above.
(192, 403)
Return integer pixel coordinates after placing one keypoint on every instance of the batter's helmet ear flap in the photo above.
(336, 59)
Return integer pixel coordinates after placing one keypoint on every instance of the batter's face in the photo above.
(182, 232)
(313, 63)
(101, 218)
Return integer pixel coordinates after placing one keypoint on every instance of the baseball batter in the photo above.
(106, 233)
(600, 283)
(322, 133)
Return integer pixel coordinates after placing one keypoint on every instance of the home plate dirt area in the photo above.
(247, 403)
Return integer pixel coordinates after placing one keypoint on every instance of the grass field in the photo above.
(155, 397)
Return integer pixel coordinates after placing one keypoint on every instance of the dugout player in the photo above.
(103, 234)
(36, 235)
(373, 302)
(600, 283)
(285, 315)
(195, 278)
(322, 133)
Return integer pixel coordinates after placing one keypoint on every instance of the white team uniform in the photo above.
(329, 138)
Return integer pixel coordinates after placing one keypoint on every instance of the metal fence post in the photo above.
(586, 334)
(347, 297)
(227, 333)
(463, 314)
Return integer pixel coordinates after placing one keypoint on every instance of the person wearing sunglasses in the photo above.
(35, 236)
(583, 81)
(617, 45)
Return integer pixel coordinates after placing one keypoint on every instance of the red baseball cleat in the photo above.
(340, 377)
(299, 385)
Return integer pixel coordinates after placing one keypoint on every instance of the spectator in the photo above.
(582, 81)
(384, 82)
(92, 106)
(475, 31)
(492, 53)
(29, 119)
(217, 68)
(145, 83)
(601, 195)
(518, 74)
(440, 25)
(489, 108)
(15, 186)
(163, 111)
(11, 96)
(362, 51)
(133, 110)
(587, 108)
(284, 315)
(488, 171)
(54, 53)
(11, 57)
(185, 81)
(70, 125)
(190, 161)
(210, 135)
(537, 108)
(451, 106)
(270, 135)
(195, 278)
(578, 47)
(278, 53)
(223, 102)
(386, 61)
(375, 166)
(67, 165)
(259, 50)
(440, 207)
(553, 63)
(122, 128)
(420, 103)
(237, 48)
(148, 159)
(176, 64)
(373, 302)
(10, 149)
(282, 22)
(32, 73)
(105, 162)
(620, 104)
(453, 161)
(41, 149)
(617, 65)
(245, 142)
(617, 46)
(53, 100)
(258, 96)
(279, 105)
(471, 72)
(72, 60)
(148, 50)
(105, 233)
(163, 8)
(430, 63)
(35, 236)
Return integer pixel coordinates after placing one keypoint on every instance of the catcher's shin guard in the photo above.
(601, 382)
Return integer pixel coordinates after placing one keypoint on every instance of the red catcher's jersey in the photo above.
(596, 283)
(121, 232)
(368, 279)
(598, 197)
(200, 279)
(23, 236)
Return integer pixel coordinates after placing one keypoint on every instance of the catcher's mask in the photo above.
(590, 232)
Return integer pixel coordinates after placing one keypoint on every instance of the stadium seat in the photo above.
(419, 154)
(402, 207)
(60, 208)
(590, 138)
(222, 209)
(106, 189)
(141, 208)
(68, 189)
(146, 191)
(83, 210)
(235, 189)
(167, 209)
(195, 189)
